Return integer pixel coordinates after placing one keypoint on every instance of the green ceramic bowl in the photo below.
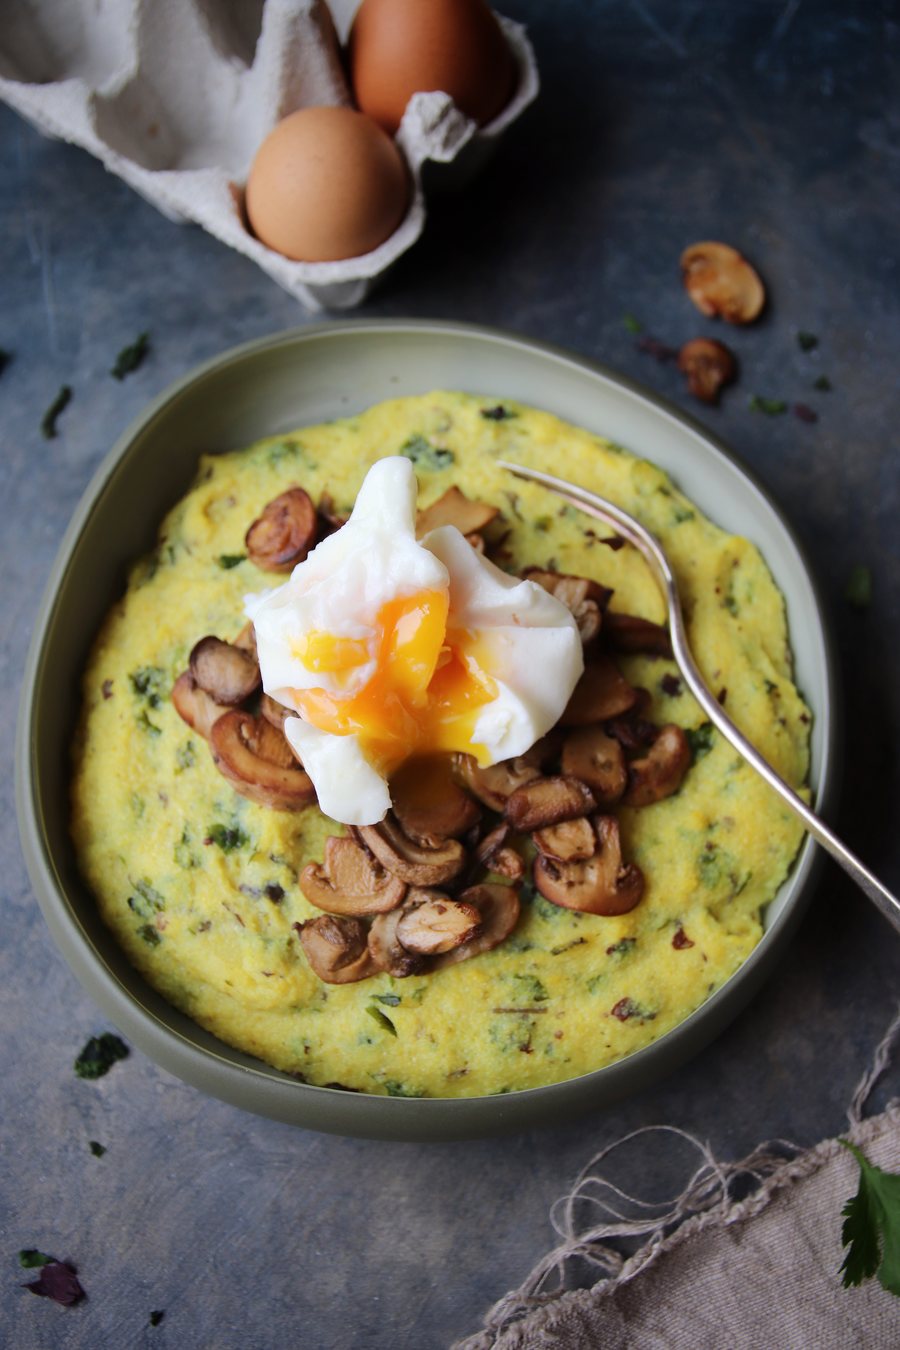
(267, 387)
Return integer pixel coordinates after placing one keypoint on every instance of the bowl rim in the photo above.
(263, 1089)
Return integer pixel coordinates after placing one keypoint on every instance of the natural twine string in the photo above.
(707, 1198)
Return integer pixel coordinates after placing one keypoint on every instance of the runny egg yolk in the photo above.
(424, 694)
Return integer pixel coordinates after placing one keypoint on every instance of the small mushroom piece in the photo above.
(495, 855)
(628, 633)
(350, 881)
(720, 281)
(259, 763)
(601, 692)
(227, 673)
(285, 532)
(548, 801)
(571, 841)
(498, 907)
(597, 759)
(274, 712)
(194, 705)
(246, 640)
(708, 366)
(455, 508)
(495, 783)
(432, 923)
(429, 804)
(387, 951)
(336, 948)
(602, 884)
(418, 864)
(585, 598)
(659, 773)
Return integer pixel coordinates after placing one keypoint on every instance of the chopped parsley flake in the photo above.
(700, 739)
(770, 406)
(498, 413)
(48, 421)
(807, 342)
(871, 1228)
(393, 1088)
(147, 683)
(822, 383)
(632, 324)
(30, 1258)
(381, 1018)
(99, 1055)
(227, 837)
(425, 455)
(130, 357)
(229, 560)
(392, 1000)
(98, 1150)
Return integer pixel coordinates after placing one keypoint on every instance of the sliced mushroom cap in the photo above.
(259, 763)
(194, 706)
(595, 757)
(455, 508)
(495, 783)
(601, 884)
(387, 951)
(571, 841)
(548, 801)
(659, 773)
(418, 864)
(350, 881)
(601, 692)
(496, 856)
(285, 532)
(227, 673)
(720, 281)
(499, 909)
(628, 633)
(246, 640)
(432, 923)
(708, 365)
(584, 597)
(275, 712)
(428, 802)
(336, 949)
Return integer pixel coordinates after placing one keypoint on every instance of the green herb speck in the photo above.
(98, 1150)
(425, 455)
(822, 383)
(700, 740)
(130, 357)
(149, 934)
(807, 342)
(393, 1088)
(229, 560)
(392, 1000)
(156, 1317)
(770, 406)
(227, 837)
(498, 413)
(185, 756)
(146, 901)
(99, 1055)
(30, 1258)
(632, 324)
(147, 683)
(381, 1018)
(48, 421)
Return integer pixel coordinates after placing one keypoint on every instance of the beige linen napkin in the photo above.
(760, 1273)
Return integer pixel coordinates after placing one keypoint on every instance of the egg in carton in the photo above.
(175, 97)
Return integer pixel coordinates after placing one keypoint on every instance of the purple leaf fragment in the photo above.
(58, 1281)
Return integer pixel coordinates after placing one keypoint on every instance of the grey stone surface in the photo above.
(773, 126)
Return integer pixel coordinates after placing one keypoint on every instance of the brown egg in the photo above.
(326, 183)
(400, 47)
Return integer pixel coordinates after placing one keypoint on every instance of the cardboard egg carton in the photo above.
(175, 97)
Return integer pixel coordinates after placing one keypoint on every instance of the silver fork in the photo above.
(641, 539)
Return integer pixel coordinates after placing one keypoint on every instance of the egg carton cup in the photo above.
(175, 97)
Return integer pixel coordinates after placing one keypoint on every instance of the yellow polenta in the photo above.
(200, 885)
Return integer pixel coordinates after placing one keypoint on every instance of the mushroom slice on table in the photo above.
(547, 801)
(194, 705)
(418, 864)
(601, 692)
(660, 772)
(708, 365)
(455, 508)
(498, 907)
(429, 804)
(350, 881)
(284, 533)
(259, 763)
(598, 760)
(720, 281)
(336, 948)
(228, 673)
(570, 841)
(387, 952)
(602, 884)
(431, 923)
(585, 598)
(629, 633)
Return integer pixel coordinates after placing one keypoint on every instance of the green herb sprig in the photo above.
(871, 1228)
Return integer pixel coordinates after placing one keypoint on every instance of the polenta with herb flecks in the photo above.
(200, 885)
